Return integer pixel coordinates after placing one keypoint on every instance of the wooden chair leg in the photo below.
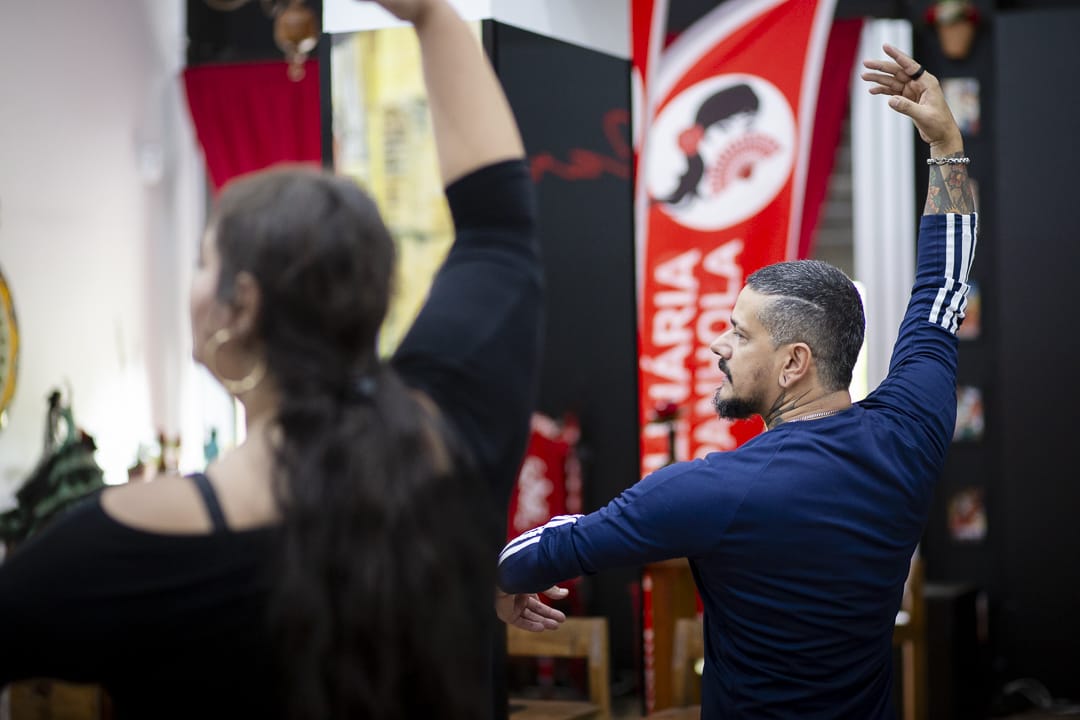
(907, 654)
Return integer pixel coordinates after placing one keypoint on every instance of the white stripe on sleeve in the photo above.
(533, 536)
(951, 300)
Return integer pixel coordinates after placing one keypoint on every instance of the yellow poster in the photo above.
(383, 139)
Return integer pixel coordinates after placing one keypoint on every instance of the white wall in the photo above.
(101, 197)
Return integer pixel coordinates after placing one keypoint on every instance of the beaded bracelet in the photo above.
(948, 161)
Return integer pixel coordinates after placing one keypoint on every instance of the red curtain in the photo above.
(250, 116)
(833, 95)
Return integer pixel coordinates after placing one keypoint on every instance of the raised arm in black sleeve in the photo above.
(475, 346)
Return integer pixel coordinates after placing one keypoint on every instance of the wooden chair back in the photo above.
(577, 637)
(909, 635)
(686, 654)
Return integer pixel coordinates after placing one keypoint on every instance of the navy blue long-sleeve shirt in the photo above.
(800, 540)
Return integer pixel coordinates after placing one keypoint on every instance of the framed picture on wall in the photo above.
(970, 420)
(967, 515)
(962, 95)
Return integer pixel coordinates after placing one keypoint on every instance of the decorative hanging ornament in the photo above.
(9, 350)
(955, 21)
(296, 29)
(296, 32)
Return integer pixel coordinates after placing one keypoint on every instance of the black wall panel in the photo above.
(1038, 156)
(572, 105)
(970, 464)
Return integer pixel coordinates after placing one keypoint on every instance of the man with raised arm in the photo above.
(800, 540)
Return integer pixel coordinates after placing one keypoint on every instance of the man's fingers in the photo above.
(885, 83)
(891, 69)
(540, 621)
(528, 612)
(902, 105)
(904, 63)
(556, 593)
(529, 620)
(918, 98)
(901, 71)
(546, 611)
(529, 625)
(883, 66)
(902, 59)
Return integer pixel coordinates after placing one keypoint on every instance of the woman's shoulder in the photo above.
(237, 483)
(167, 504)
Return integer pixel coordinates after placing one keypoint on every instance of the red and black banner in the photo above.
(724, 118)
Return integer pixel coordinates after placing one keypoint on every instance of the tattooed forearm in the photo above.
(949, 190)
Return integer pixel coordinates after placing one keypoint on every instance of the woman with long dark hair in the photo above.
(338, 563)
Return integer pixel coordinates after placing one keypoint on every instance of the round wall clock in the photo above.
(9, 348)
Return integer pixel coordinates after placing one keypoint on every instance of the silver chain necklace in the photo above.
(814, 415)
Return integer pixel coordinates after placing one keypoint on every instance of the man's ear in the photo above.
(796, 365)
(246, 303)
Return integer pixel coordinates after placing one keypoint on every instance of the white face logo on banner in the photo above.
(721, 151)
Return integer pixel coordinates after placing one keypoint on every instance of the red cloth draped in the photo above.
(549, 479)
(251, 116)
(549, 483)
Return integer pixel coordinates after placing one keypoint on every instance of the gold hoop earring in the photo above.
(234, 387)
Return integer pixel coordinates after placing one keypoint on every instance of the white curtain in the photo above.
(883, 198)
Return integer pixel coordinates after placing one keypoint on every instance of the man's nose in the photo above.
(720, 346)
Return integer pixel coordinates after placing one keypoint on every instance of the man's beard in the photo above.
(735, 408)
